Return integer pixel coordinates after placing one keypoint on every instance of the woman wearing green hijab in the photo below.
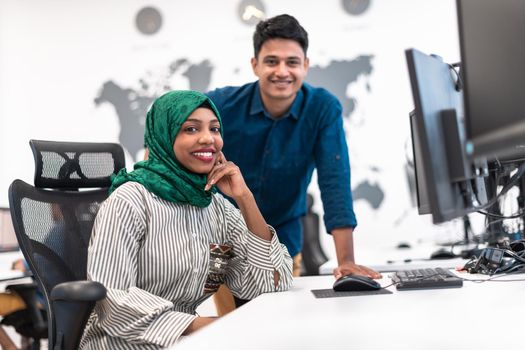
(165, 240)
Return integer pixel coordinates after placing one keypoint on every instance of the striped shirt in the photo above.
(153, 256)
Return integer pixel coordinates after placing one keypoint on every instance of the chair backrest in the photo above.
(313, 255)
(54, 218)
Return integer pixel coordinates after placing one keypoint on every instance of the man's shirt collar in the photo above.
(258, 107)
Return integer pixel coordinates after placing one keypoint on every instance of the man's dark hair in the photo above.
(279, 27)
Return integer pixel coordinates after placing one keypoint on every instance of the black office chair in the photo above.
(53, 222)
(312, 253)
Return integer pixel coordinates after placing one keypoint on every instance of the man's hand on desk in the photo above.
(349, 267)
(344, 249)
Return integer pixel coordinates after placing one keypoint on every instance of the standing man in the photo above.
(278, 130)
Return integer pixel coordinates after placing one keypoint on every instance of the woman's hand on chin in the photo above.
(228, 178)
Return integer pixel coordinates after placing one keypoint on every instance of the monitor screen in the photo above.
(491, 35)
(8, 240)
(444, 175)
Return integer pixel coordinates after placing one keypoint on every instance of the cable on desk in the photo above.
(495, 277)
(390, 285)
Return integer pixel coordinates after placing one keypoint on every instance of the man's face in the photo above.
(281, 67)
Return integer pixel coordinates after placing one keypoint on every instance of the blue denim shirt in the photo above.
(278, 156)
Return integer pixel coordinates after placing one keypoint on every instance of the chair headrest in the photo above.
(73, 165)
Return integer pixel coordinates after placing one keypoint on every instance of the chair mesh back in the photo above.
(54, 230)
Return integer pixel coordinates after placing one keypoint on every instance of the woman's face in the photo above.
(199, 141)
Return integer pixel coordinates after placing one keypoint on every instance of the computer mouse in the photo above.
(442, 254)
(355, 283)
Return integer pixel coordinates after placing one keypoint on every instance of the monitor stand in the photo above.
(448, 250)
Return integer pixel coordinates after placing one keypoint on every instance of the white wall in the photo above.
(55, 56)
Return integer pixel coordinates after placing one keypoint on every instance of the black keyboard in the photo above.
(425, 279)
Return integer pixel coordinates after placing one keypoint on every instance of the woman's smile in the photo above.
(206, 155)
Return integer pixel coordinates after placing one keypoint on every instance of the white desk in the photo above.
(476, 316)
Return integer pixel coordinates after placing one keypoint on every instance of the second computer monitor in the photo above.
(444, 175)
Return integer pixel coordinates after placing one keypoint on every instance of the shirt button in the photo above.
(195, 270)
(194, 234)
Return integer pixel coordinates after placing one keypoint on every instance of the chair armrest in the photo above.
(73, 303)
(78, 291)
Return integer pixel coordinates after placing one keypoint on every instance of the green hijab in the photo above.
(162, 174)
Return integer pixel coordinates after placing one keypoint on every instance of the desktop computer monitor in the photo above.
(492, 57)
(446, 180)
(492, 67)
(471, 123)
